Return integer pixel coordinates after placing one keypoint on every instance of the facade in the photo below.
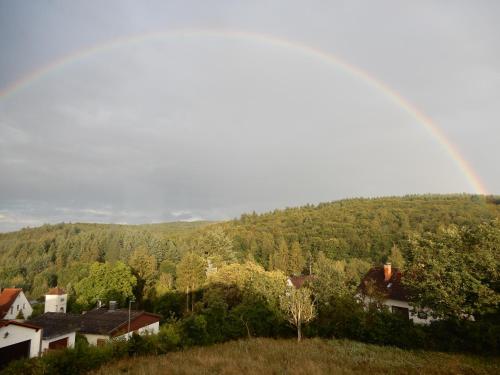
(56, 300)
(12, 303)
(383, 284)
(18, 340)
(59, 330)
(298, 281)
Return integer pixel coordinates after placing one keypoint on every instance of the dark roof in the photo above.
(4, 323)
(56, 324)
(298, 281)
(7, 298)
(56, 291)
(98, 321)
(391, 289)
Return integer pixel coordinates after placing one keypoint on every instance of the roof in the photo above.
(7, 298)
(105, 321)
(298, 281)
(99, 321)
(56, 324)
(5, 323)
(391, 289)
(56, 291)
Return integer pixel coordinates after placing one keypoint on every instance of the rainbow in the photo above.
(435, 132)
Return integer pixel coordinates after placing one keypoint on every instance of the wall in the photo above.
(92, 339)
(22, 302)
(19, 334)
(152, 328)
(55, 302)
(71, 340)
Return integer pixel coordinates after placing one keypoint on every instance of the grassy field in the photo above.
(314, 356)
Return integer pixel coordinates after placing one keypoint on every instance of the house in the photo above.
(298, 281)
(13, 302)
(18, 340)
(56, 300)
(59, 330)
(103, 324)
(383, 284)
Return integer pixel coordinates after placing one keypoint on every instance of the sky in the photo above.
(226, 108)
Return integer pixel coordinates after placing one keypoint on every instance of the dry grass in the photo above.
(314, 356)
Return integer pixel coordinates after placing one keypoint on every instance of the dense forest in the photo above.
(360, 231)
(213, 282)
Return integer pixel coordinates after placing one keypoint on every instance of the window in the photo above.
(12, 309)
(17, 308)
(24, 306)
(62, 299)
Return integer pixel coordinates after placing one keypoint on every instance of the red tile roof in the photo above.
(56, 291)
(298, 281)
(7, 298)
(391, 289)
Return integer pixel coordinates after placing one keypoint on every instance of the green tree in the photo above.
(298, 307)
(455, 272)
(143, 266)
(296, 262)
(191, 275)
(330, 279)
(280, 259)
(106, 282)
(217, 247)
(396, 257)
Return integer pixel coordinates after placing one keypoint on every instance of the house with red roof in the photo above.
(13, 302)
(383, 285)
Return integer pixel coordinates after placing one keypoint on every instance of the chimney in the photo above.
(387, 272)
(112, 305)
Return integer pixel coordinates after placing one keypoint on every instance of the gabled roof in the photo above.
(5, 323)
(299, 281)
(99, 321)
(105, 322)
(56, 324)
(7, 298)
(391, 289)
(56, 291)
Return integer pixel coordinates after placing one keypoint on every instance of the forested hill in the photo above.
(355, 228)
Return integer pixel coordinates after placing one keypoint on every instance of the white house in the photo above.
(18, 340)
(12, 303)
(101, 324)
(383, 284)
(56, 300)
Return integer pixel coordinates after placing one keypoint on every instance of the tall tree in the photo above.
(143, 266)
(455, 272)
(106, 282)
(191, 275)
(296, 261)
(280, 259)
(396, 257)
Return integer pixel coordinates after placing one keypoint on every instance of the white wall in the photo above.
(20, 303)
(71, 340)
(153, 328)
(92, 339)
(56, 302)
(413, 315)
(17, 334)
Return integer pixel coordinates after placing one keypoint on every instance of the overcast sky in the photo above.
(207, 127)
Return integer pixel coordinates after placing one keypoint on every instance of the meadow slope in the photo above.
(312, 356)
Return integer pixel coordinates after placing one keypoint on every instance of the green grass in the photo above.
(312, 356)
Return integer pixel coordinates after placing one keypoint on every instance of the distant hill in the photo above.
(37, 258)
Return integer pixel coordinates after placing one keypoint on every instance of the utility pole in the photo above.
(129, 311)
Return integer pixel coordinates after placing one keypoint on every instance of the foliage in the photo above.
(106, 282)
(191, 275)
(456, 272)
(298, 307)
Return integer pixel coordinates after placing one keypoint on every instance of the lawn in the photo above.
(312, 356)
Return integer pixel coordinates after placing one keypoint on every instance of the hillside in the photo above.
(366, 229)
(314, 356)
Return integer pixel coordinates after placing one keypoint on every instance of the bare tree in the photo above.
(298, 306)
